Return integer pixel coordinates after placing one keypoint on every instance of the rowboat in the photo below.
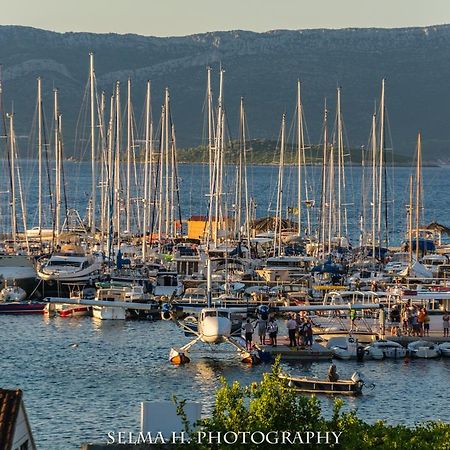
(316, 386)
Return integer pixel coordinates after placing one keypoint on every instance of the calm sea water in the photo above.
(193, 182)
(79, 393)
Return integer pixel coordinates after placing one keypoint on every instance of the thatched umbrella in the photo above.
(265, 224)
(434, 226)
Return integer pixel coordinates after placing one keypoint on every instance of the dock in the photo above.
(315, 353)
(405, 340)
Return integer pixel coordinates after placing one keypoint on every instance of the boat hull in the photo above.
(108, 313)
(313, 386)
(22, 308)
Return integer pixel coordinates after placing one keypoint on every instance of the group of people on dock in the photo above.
(300, 330)
(409, 320)
(413, 320)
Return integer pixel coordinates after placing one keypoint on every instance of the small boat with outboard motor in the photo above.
(315, 386)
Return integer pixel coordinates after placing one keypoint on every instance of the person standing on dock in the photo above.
(308, 333)
(291, 326)
(272, 329)
(426, 323)
(445, 321)
(248, 328)
(262, 329)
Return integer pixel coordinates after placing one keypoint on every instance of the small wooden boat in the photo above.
(316, 386)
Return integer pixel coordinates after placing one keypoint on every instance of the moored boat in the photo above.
(388, 349)
(424, 349)
(315, 386)
(445, 349)
(23, 307)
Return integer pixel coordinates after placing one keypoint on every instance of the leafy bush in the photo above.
(271, 405)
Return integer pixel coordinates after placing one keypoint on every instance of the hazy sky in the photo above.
(181, 17)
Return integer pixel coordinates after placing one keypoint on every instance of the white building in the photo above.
(15, 430)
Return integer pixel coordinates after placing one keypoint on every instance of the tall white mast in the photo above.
(210, 115)
(128, 198)
(39, 106)
(300, 151)
(339, 153)
(12, 139)
(93, 156)
(117, 164)
(57, 167)
(146, 170)
(166, 153)
(418, 190)
(218, 157)
(380, 168)
(374, 181)
(279, 209)
(330, 198)
(324, 179)
(161, 172)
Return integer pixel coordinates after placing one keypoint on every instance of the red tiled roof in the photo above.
(9, 408)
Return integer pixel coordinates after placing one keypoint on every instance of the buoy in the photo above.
(250, 358)
(178, 358)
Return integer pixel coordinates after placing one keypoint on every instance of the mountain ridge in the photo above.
(262, 67)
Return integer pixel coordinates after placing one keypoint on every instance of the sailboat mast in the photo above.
(418, 190)
(279, 210)
(324, 179)
(93, 156)
(210, 126)
(146, 170)
(330, 198)
(410, 219)
(374, 181)
(103, 157)
(167, 164)
(161, 167)
(13, 181)
(300, 151)
(117, 165)
(339, 153)
(380, 168)
(57, 166)
(39, 106)
(218, 158)
(128, 195)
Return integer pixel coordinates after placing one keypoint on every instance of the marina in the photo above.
(99, 371)
(127, 276)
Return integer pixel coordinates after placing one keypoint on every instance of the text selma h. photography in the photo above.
(227, 437)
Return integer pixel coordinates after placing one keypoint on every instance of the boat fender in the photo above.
(166, 312)
(360, 351)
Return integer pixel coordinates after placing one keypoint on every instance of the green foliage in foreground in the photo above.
(271, 405)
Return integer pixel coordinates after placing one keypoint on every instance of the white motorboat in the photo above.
(70, 265)
(286, 268)
(388, 349)
(168, 284)
(445, 349)
(18, 269)
(345, 347)
(424, 349)
(12, 294)
(120, 293)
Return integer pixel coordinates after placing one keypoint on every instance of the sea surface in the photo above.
(83, 378)
(356, 198)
